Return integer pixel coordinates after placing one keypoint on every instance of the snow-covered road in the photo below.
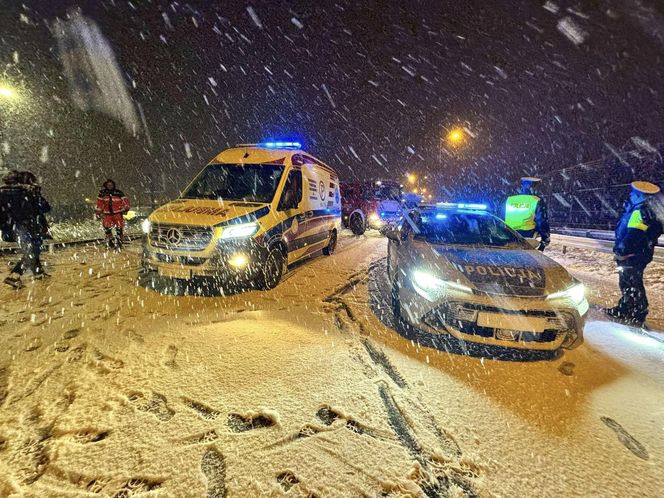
(111, 389)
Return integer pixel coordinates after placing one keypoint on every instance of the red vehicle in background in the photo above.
(370, 205)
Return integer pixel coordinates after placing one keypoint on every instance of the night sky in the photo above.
(369, 87)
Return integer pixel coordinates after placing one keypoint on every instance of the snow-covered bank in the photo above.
(107, 388)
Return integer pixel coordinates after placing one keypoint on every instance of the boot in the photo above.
(14, 280)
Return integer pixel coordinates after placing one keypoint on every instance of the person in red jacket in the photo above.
(111, 205)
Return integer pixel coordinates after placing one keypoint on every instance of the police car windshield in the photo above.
(464, 228)
(236, 182)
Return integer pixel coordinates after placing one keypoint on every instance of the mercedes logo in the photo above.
(173, 236)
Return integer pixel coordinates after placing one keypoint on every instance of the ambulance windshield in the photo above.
(236, 182)
(388, 192)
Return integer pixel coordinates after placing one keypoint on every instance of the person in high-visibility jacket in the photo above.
(527, 213)
(112, 204)
(636, 237)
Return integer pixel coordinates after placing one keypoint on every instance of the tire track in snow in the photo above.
(433, 485)
(381, 359)
(4, 384)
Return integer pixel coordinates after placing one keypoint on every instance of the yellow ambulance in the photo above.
(251, 212)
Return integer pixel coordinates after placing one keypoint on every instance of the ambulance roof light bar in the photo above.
(274, 145)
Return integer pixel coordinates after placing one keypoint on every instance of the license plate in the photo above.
(512, 322)
(183, 273)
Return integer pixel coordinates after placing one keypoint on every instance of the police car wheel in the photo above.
(331, 245)
(273, 269)
(357, 224)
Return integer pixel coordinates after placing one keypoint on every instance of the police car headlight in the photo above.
(239, 231)
(374, 217)
(430, 287)
(146, 225)
(576, 293)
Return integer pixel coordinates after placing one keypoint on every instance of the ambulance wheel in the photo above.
(272, 270)
(356, 224)
(331, 245)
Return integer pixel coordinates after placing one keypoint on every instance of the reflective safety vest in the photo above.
(520, 211)
(636, 221)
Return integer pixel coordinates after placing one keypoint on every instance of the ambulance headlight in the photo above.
(146, 225)
(239, 231)
(576, 293)
(431, 287)
(238, 260)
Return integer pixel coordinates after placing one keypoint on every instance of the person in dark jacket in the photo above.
(527, 213)
(22, 210)
(112, 204)
(636, 237)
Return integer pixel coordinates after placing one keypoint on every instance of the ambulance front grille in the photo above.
(180, 237)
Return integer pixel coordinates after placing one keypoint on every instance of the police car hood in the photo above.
(206, 212)
(513, 272)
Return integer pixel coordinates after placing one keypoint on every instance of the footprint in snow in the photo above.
(71, 333)
(106, 363)
(626, 438)
(204, 411)
(156, 405)
(213, 466)
(287, 480)
(566, 368)
(170, 355)
(241, 423)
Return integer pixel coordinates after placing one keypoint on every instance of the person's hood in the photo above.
(208, 212)
(516, 272)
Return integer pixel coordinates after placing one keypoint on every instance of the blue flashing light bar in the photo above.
(463, 205)
(441, 216)
(282, 145)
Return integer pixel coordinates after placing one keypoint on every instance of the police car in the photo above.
(251, 212)
(459, 271)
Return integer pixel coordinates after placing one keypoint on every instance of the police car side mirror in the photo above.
(393, 235)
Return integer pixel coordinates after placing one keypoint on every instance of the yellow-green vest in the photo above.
(520, 211)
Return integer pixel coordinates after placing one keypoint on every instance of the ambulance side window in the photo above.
(292, 194)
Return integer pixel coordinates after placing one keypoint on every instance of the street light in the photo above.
(456, 136)
(7, 92)
(9, 95)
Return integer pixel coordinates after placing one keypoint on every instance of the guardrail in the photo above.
(604, 245)
(50, 244)
(593, 234)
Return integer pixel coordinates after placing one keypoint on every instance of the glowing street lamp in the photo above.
(8, 93)
(412, 178)
(456, 136)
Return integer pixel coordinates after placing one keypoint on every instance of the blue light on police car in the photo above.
(463, 205)
(282, 145)
(478, 207)
(441, 216)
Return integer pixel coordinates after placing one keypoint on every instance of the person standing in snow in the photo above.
(22, 210)
(636, 237)
(527, 213)
(112, 204)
